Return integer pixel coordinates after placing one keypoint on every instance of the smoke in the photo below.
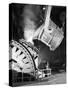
(29, 23)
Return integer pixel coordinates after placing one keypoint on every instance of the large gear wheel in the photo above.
(22, 56)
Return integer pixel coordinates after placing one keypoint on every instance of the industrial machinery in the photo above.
(23, 57)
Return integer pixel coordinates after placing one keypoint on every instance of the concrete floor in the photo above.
(59, 78)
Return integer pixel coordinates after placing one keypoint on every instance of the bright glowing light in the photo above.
(28, 34)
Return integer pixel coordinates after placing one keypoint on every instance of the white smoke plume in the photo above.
(29, 23)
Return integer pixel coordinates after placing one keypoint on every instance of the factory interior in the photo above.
(50, 67)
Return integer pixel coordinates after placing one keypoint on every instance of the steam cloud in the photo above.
(29, 23)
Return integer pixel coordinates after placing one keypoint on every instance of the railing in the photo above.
(41, 73)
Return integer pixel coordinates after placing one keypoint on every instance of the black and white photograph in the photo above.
(37, 44)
